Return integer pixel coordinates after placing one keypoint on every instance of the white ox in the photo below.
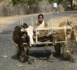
(29, 31)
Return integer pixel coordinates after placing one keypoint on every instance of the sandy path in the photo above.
(4, 22)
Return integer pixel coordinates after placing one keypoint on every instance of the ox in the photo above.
(71, 35)
(25, 35)
(19, 40)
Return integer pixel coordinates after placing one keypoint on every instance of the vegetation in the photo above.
(30, 2)
(15, 2)
(58, 1)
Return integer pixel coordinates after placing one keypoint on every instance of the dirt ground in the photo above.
(4, 22)
(9, 61)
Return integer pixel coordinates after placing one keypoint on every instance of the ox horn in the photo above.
(32, 21)
(69, 23)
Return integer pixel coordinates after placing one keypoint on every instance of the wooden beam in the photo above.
(50, 42)
(21, 21)
(36, 36)
(32, 21)
(54, 28)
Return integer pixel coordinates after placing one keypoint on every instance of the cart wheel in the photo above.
(57, 48)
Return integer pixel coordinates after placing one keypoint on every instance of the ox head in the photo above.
(69, 23)
(30, 34)
(29, 30)
(73, 30)
(69, 30)
(24, 25)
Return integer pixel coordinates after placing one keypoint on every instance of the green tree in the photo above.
(71, 2)
(29, 2)
(58, 1)
(15, 2)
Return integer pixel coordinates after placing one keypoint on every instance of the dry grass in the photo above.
(55, 22)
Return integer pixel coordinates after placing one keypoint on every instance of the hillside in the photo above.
(22, 7)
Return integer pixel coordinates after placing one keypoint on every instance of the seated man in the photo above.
(40, 23)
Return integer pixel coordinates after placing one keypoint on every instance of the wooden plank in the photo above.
(54, 28)
(65, 30)
(32, 21)
(36, 36)
(50, 42)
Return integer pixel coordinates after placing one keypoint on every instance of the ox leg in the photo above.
(27, 54)
(18, 49)
(21, 53)
(66, 53)
(57, 48)
(27, 57)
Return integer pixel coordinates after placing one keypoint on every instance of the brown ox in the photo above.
(71, 35)
(17, 38)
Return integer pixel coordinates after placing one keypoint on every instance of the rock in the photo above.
(19, 65)
(5, 56)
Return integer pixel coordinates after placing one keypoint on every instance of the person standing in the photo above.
(55, 7)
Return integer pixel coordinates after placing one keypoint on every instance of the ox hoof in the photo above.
(22, 59)
(29, 62)
(68, 57)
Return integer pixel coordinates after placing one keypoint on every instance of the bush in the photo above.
(58, 1)
(15, 2)
(28, 2)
